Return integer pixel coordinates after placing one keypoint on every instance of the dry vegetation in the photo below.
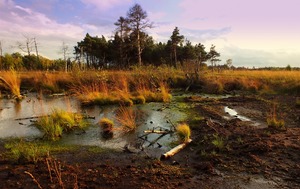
(148, 84)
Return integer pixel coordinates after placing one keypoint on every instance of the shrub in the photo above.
(183, 132)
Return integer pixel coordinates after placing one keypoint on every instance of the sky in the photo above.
(256, 33)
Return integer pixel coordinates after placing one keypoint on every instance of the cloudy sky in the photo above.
(255, 33)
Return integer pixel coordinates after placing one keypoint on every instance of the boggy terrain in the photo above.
(226, 152)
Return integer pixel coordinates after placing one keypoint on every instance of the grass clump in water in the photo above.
(183, 132)
(126, 117)
(107, 126)
(60, 121)
(11, 81)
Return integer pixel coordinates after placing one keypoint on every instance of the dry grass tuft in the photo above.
(107, 125)
(12, 82)
(183, 132)
(126, 116)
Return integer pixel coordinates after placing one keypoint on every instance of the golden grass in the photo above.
(150, 83)
(50, 82)
(126, 116)
(12, 82)
(258, 80)
(183, 132)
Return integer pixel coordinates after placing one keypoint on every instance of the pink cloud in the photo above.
(105, 4)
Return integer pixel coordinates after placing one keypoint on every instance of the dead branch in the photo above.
(33, 178)
(153, 142)
(157, 131)
(175, 150)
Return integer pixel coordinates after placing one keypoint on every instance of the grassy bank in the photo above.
(148, 84)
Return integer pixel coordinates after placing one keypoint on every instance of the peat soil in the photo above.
(226, 152)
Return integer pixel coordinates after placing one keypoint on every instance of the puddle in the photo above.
(234, 114)
(150, 115)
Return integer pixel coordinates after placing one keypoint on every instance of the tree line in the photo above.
(130, 46)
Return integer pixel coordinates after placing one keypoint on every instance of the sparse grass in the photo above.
(273, 121)
(97, 149)
(218, 141)
(12, 82)
(60, 121)
(183, 132)
(126, 116)
(26, 151)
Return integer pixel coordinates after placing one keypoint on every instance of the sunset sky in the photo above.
(255, 33)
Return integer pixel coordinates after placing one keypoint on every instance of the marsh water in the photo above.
(16, 121)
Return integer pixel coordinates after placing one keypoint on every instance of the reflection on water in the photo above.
(31, 106)
(234, 113)
(149, 115)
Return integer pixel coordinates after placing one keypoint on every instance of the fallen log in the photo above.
(175, 150)
(157, 131)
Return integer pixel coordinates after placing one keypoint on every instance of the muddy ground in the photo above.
(247, 154)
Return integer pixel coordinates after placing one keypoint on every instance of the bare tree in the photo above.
(27, 47)
(138, 22)
(65, 52)
(36, 49)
